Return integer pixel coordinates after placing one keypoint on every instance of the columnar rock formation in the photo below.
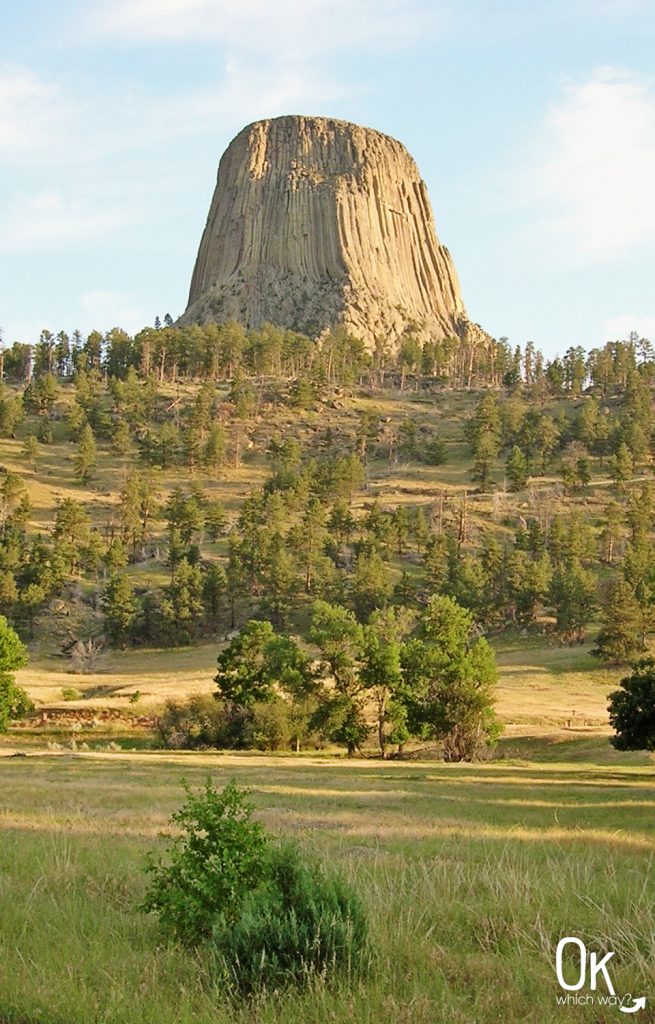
(316, 222)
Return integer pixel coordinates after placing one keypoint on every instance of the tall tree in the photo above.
(85, 461)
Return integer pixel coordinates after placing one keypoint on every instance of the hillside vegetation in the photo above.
(162, 491)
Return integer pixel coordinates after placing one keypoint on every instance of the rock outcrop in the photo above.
(316, 222)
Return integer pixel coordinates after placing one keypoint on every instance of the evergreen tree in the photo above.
(621, 466)
(30, 449)
(85, 460)
(485, 450)
(181, 604)
(120, 608)
(619, 638)
(122, 438)
(215, 449)
(372, 584)
(572, 593)
(381, 673)
(516, 469)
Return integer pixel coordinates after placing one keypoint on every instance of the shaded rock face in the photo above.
(316, 222)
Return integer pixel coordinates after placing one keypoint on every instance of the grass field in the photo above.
(470, 874)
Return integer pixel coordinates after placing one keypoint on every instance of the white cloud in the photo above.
(243, 93)
(300, 26)
(621, 326)
(594, 179)
(33, 113)
(103, 309)
(47, 220)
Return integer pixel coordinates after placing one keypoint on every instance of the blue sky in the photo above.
(532, 124)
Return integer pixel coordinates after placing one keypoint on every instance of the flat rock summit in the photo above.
(316, 223)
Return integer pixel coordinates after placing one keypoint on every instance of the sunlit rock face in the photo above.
(316, 223)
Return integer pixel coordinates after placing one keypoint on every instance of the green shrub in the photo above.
(274, 918)
(301, 923)
(268, 726)
(202, 721)
(70, 693)
(14, 702)
(212, 866)
(199, 722)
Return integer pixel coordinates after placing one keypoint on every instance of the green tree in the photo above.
(214, 586)
(122, 438)
(372, 584)
(620, 636)
(340, 714)
(212, 864)
(85, 460)
(279, 578)
(14, 702)
(167, 444)
(632, 708)
(215, 520)
(181, 605)
(450, 681)
(381, 674)
(258, 663)
(71, 531)
(215, 450)
(621, 466)
(547, 441)
(30, 449)
(516, 469)
(572, 593)
(485, 450)
(120, 607)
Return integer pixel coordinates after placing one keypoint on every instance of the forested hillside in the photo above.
(169, 488)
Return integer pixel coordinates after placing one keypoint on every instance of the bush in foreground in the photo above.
(273, 917)
(301, 923)
(216, 860)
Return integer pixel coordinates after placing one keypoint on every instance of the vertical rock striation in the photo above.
(316, 222)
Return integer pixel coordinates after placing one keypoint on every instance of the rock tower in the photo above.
(316, 222)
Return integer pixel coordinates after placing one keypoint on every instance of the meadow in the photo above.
(470, 875)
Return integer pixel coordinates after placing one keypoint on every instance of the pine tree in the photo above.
(122, 438)
(120, 608)
(621, 466)
(619, 638)
(30, 449)
(516, 468)
(215, 450)
(572, 593)
(485, 450)
(85, 460)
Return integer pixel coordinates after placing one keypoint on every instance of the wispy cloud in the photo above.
(33, 113)
(622, 325)
(593, 180)
(301, 26)
(106, 308)
(43, 221)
